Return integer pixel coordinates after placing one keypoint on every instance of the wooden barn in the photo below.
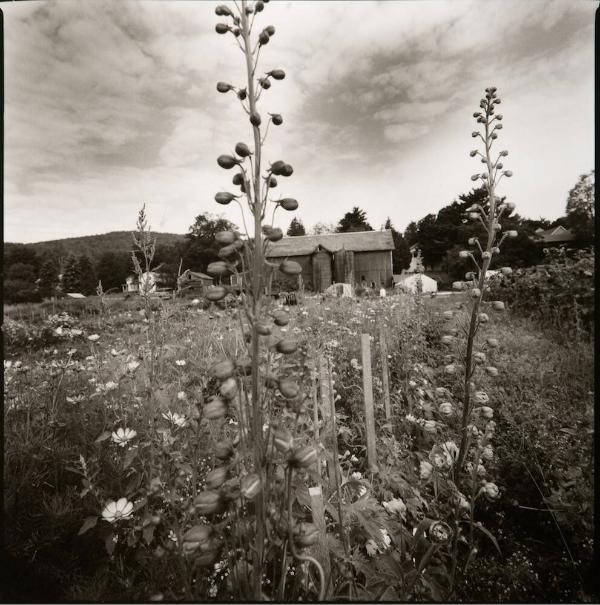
(363, 257)
(193, 282)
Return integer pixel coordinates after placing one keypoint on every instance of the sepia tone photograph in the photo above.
(298, 301)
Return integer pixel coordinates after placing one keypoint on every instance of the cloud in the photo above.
(109, 104)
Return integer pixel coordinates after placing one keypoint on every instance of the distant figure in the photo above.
(382, 292)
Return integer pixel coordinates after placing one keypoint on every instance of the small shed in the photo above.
(131, 284)
(416, 282)
(193, 282)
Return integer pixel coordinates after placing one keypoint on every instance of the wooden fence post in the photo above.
(385, 374)
(365, 343)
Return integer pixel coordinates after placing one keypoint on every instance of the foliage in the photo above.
(580, 208)
(401, 255)
(203, 249)
(558, 294)
(87, 275)
(113, 269)
(296, 227)
(355, 220)
(48, 278)
(321, 228)
(71, 276)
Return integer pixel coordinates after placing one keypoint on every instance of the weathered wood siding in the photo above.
(322, 271)
(373, 267)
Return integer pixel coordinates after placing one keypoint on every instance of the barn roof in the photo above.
(359, 241)
(556, 234)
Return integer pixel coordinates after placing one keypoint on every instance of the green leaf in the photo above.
(87, 525)
(129, 458)
(148, 533)
(103, 437)
(489, 535)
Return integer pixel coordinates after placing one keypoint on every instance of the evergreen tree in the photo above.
(580, 208)
(112, 269)
(48, 278)
(202, 248)
(71, 280)
(401, 254)
(355, 220)
(296, 228)
(87, 275)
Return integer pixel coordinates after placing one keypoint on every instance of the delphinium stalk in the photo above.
(256, 502)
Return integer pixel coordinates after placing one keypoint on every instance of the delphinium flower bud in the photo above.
(243, 150)
(508, 173)
(490, 490)
(448, 314)
(250, 486)
(430, 426)
(224, 87)
(447, 339)
(425, 469)
(208, 502)
(227, 162)
(450, 369)
(492, 342)
(277, 74)
(475, 177)
(483, 318)
(486, 411)
(222, 28)
(215, 478)
(303, 457)
(479, 357)
(289, 204)
(512, 233)
(506, 270)
(276, 119)
(475, 293)
(492, 371)
(472, 241)
(480, 397)
(498, 305)
(458, 285)
(445, 409)
(473, 153)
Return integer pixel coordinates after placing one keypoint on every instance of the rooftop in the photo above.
(358, 241)
(556, 234)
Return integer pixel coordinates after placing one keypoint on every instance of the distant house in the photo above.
(131, 284)
(363, 257)
(193, 282)
(557, 236)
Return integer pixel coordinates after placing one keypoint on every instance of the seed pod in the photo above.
(492, 371)
(474, 134)
(475, 293)
(469, 275)
(507, 173)
(224, 87)
(215, 478)
(243, 150)
(458, 285)
(506, 270)
(236, 31)
(447, 339)
(281, 318)
(277, 74)
(265, 83)
(504, 153)
(229, 388)
(238, 179)
(250, 486)
(483, 318)
(492, 342)
(446, 409)
(306, 534)
(215, 409)
(288, 203)
(303, 457)
(287, 346)
(258, 6)
(208, 502)
(276, 119)
(277, 167)
(480, 398)
(216, 293)
(225, 237)
(223, 449)
(255, 118)
(222, 370)
(287, 170)
(283, 440)
(475, 177)
(270, 30)
(262, 328)
(223, 11)
(275, 234)
(227, 162)
(222, 28)
(473, 153)
(487, 412)
(290, 267)
(242, 94)
(227, 251)
(448, 314)
(272, 182)
(217, 268)
(498, 305)
(288, 388)
(479, 357)
(196, 536)
(263, 38)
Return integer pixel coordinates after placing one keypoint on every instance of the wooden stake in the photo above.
(365, 343)
(385, 374)
(326, 394)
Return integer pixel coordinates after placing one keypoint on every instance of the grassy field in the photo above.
(73, 379)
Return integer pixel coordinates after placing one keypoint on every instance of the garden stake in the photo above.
(365, 341)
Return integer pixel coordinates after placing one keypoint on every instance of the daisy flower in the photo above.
(114, 511)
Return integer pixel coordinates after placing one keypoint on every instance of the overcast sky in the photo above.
(111, 104)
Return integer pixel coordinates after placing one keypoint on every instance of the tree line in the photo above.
(29, 276)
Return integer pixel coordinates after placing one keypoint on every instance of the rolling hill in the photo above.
(93, 245)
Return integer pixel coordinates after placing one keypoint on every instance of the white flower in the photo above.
(175, 418)
(132, 366)
(121, 436)
(445, 408)
(371, 547)
(181, 396)
(451, 448)
(180, 362)
(110, 386)
(356, 476)
(395, 507)
(490, 490)
(114, 511)
(425, 469)
(488, 453)
(93, 337)
(353, 458)
(410, 418)
(196, 301)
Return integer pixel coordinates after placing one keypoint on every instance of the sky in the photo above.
(112, 104)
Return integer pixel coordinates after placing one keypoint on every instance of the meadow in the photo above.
(116, 439)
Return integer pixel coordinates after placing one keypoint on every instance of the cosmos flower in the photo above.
(115, 511)
(122, 436)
